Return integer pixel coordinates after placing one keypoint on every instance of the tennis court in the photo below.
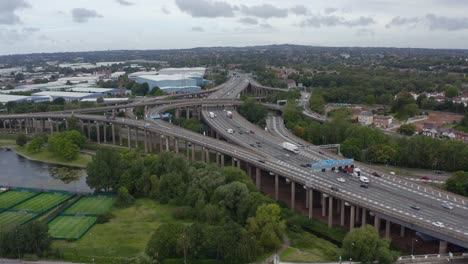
(14, 197)
(70, 227)
(91, 205)
(43, 202)
(9, 219)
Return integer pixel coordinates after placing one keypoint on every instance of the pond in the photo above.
(16, 171)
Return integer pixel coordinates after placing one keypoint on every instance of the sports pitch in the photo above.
(90, 205)
(43, 202)
(70, 227)
(11, 198)
(9, 219)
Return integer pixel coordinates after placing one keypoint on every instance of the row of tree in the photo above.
(63, 145)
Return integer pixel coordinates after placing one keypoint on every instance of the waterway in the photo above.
(17, 171)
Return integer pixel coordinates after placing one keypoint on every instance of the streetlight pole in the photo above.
(412, 246)
(350, 259)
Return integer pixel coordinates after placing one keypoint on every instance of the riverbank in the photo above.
(47, 157)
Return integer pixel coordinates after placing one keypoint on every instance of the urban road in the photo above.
(388, 196)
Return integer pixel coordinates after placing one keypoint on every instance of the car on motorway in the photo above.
(364, 179)
(252, 145)
(447, 206)
(252, 132)
(425, 178)
(320, 152)
(230, 131)
(392, 173)
(304, 165)
(376, 174)
(341, 180)
(335, 189)
(336, 171)
(415, 207)
(365, 186)
(438, 224)
(261, 161)
(439, 172)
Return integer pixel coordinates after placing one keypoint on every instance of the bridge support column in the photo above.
(358, 211)
(202, 154)
(402, 231)
(364, 217)
(207, 153)
(187, 113)
(42, 125)
(57, 126)
(177, 113)
(342, 213)
(238, 163)
(442, 247)
(293, 195)
(129, 137)
(377, 223)
(20, 123)
(150, 141)
(105, 132)
(387, 229)
(89, 130)
(66, 124)
(311, 202)
(187, 154)
(136, 137)
(51, 126)
(222, 160)
(160, 138)
(233, 160)
(324, 204)
(82, 126)
(145, 139)
(258, 178)
(193, 152)
(217, 159)
(167, 143)
(176, 145)
(307, 198)
(113, 134)
(98, 136)
(352, 217)
(330, 211)
(276, 187)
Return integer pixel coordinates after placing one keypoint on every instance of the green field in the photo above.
(10, 219)
(43, 202)
(91, 205)
(10, 198)
(306, 247)
(70, 227)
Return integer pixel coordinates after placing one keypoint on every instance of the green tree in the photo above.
(35, 145)
(58, 101)
(267, 226)
(30, 238)
(230, 196)
(73, 123)
(365, 245)
(163, 243)
(458, 183)
(451, 92)
(407, 129)
(104, 171)
(124, 199)
(252, 111)
(21, 140)
(317, 103)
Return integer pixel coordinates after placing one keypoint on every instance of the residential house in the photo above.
(430, 130)
(366, 118)
(459, 135)
(447, 132)
(382, 121)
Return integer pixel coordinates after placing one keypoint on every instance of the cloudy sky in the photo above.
(28, 26)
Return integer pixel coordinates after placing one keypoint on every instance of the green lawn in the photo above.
(125, 235)
(91, 205)
(45, 156)
(70, 227)
(306, 247)
(43, 202)
(7, 142)
(11, 198)
(11, 219)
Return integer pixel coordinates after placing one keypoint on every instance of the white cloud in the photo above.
(8, 9)
(205, 8)
(82, 15)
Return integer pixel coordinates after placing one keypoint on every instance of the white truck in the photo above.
(212, 115)
(229, 114)
(291, 147)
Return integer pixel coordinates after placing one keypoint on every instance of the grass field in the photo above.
(91, 205)
(43, 202)
(306, 247)
(46, 156)
(11, 219)
(7, 142)
(70, 227)
(10, 198)
(125, 235)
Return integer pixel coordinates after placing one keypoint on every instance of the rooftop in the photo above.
(5, 98)
(62, 94)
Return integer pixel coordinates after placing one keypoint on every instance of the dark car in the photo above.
(425, 178)
(364, 186)
(439, 172)
(252, 132)
(240, 132)
(320, 152)
(376, 174)
(335, 189)
(415, 207)
(261, 161)
(252, 145)
(304, 165)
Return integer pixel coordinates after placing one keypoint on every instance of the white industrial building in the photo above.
(173, 80)
(68, 96)
(5, 98)
(102, 91)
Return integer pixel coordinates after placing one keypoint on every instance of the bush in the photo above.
(183, 213)
(35, 145)
(104, 218)
(124, 198)
(21, 140)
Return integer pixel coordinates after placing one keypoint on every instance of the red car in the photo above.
(425, 178)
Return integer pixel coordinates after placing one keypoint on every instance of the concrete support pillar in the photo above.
(177, 113)
(136, 137)
(51, 126)
(324, 205)
(351, 218)
(217, 159)
(293, 195)
(238, 163)
(187, 153)
(233, 160)
(193, 152)
(442, 247)
(222, 160)
(66, 124)
(129, 137)
(258, 178)
(167, 143)
(276, 187)
(202, 154)
(150, 141)
(57, 126)
(160, 139)
(187, 113)
(98, 135)
(358, 210)
(176, 145)
(113, 134)
(364, 217)
(307, 199)
(105, 132)
(330, 211)
(377, 223)
(43, 125)
(311, 202)
(20, 123)
(207, 153)
(402, 231)
(342, 213)
(89, 130)
(387, 229)
(82, 127)
(145, 139)
(120, 135)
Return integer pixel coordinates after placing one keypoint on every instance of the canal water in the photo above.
(16, 171)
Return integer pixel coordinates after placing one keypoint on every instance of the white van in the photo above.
(230, 131)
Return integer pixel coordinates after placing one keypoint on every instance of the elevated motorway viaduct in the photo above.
(384, 200)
